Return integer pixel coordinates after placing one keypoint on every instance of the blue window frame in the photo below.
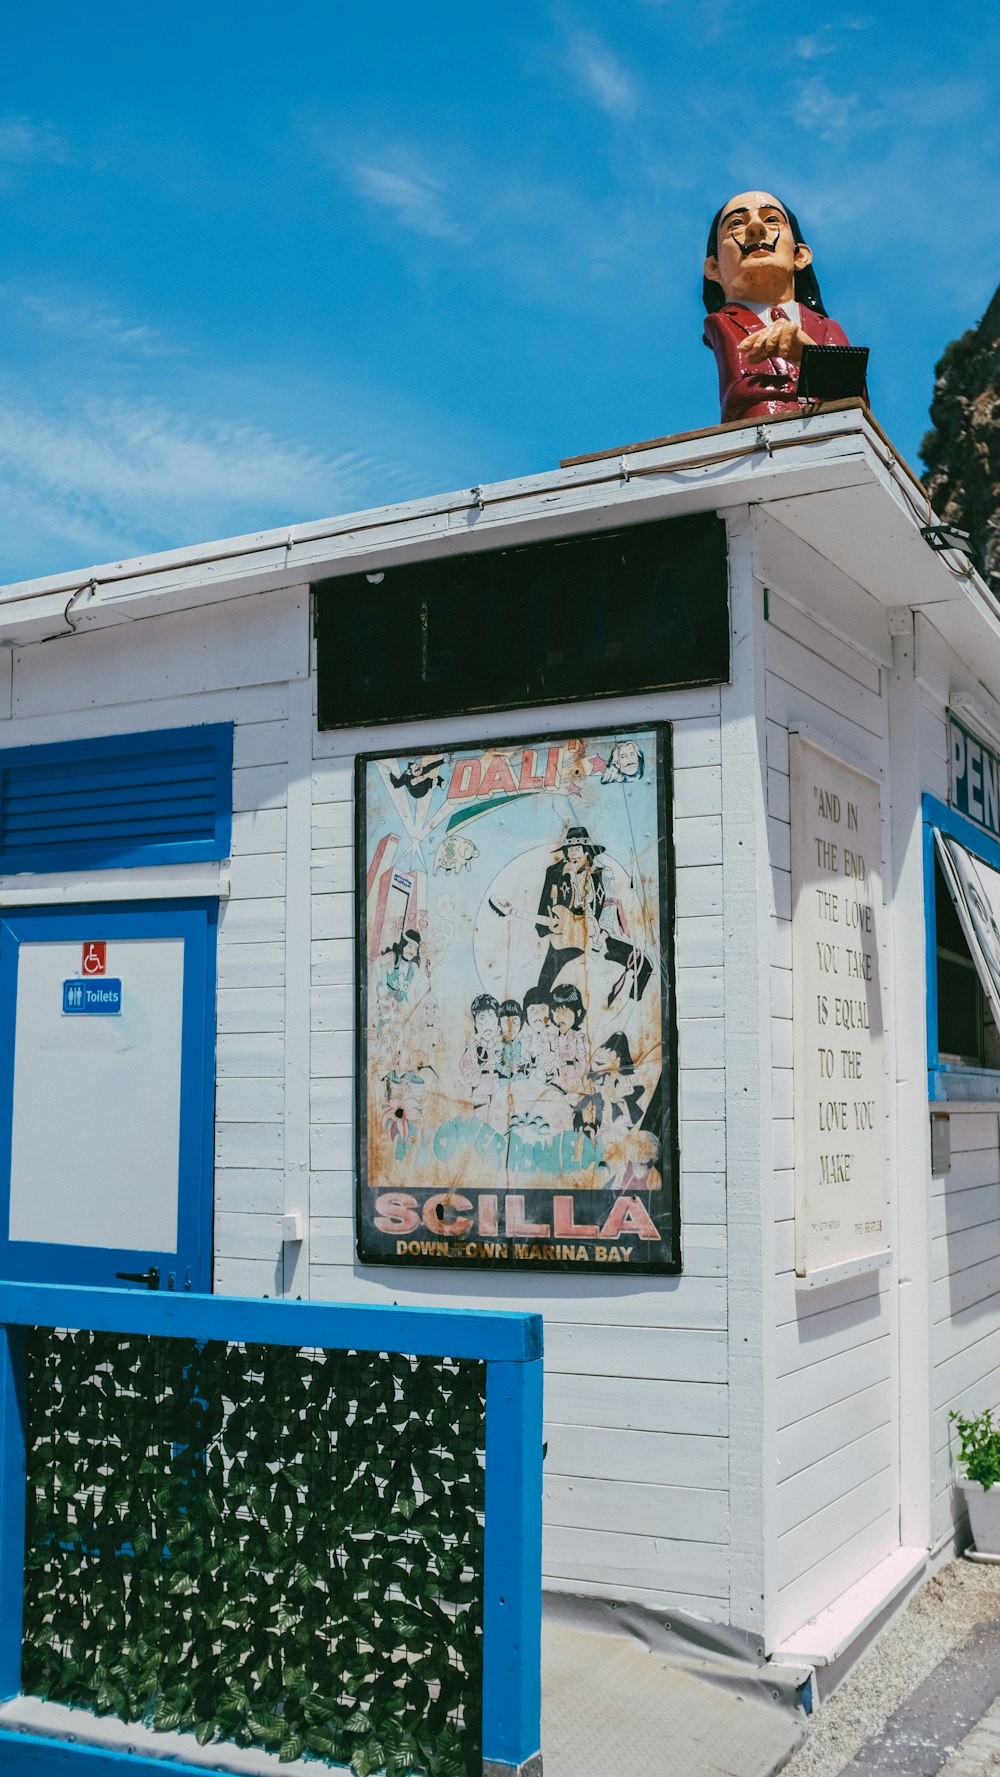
(164, 797)
(189, 1257)
(949, 1080)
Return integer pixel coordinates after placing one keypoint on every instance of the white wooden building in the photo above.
(738, 1442)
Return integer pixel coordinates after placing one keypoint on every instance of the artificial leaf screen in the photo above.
(255, 1544)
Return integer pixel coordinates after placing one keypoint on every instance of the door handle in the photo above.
(150, 1278)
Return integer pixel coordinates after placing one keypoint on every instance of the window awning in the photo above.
(975, 890)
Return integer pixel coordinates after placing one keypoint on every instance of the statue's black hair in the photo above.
(807, 290)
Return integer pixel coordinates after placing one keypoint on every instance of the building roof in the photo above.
(832, 479)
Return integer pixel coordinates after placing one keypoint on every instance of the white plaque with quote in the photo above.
(841, 1168)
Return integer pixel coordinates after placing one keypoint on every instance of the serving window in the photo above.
(963, 943)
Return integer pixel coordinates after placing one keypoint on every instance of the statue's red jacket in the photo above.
(758, 391)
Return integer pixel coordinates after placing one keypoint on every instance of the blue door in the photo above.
(107, 1039)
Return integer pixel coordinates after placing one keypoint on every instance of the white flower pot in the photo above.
(983, 1506)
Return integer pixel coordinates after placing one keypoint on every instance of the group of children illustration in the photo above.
(531, 1062)
(559, 1058)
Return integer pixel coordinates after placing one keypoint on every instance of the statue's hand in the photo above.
(782, 339)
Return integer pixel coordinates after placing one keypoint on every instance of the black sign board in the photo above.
(602, 615)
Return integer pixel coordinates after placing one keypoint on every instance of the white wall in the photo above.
(965, 1205)
(175, 671)
(637, 1472)
(835, 1390)
(642, 1471)
(965, 1295)
(636, 1399)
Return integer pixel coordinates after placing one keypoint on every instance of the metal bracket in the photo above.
(532, 1767)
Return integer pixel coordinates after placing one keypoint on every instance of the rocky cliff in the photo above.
(962, 450)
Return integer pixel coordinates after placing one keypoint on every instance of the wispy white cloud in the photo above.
(600, 74)
(109, 478)
(395, 179)
(25, 143)
(816, 44)
(705, 23)
(827, 110)
(415, 199)
(544, 235)
(101, 326)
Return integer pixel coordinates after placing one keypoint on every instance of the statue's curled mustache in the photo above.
(748, 247)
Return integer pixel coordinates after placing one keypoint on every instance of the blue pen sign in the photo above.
(975, 777)
(103, 996)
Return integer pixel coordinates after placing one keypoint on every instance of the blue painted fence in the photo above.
(509, 1344)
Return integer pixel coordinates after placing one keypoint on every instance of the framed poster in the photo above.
(516, 1055)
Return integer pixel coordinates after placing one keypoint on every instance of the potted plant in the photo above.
(979, 1455)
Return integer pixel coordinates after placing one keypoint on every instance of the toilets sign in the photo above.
(103, 996)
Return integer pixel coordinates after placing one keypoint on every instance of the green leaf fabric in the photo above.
(278, 1548)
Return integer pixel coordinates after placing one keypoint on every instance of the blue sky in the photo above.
(265, 263)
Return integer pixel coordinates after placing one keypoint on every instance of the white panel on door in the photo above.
(96, 1124)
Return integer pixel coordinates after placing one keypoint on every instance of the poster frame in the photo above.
(669, 1118)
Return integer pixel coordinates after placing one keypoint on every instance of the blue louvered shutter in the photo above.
(159, 798)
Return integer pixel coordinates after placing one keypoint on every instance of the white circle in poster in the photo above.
(512, 956)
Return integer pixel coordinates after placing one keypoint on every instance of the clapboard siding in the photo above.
(816, 1488)
(829, 1333)
(249, 1144)
(332, 1193)
(620, 1559)
(975, 1206)
(698, 841)
(818, 641)
(700, 939)
(333, 962)
(636, 1369)
(832, 1379)
(673, 1353)
(246, 1189)
(250, 1057)
(965, 1369)
(965, 1294)
(835, 1371)
(250, 1092)
(243, 1056)
(809, 1439)
(791, 667)
(256, 875)
(838, 1571)
(247, 1100)
(251, 966)
(818, 1535)
(962, 1295)
(979, 1167)
(259, 830)
(663, 1458)
(639, 1301)
(179, 670)
(681, 1513)
(251, 1009)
